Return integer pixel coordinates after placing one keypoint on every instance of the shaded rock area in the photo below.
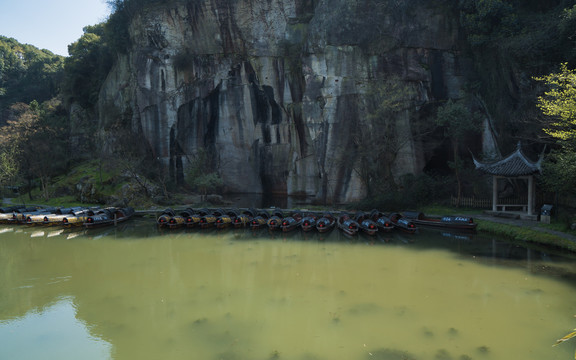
(273, 90)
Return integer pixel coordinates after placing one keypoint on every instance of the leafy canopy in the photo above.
(488, 20)
(201, 175)
(457, 120)
(34, 143)
(379, 136)
(27, 73)
(89, 63)
(559, 103)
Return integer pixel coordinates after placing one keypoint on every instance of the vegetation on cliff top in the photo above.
(26, 74)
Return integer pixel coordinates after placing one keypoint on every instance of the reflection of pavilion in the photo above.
(512, 177)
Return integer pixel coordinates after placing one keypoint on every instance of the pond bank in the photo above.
(516, 229)
(526, 230)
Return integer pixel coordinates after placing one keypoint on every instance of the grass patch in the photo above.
(559, 226)
(66, 201)
(96, 181)
(513, 232)
(520, 233)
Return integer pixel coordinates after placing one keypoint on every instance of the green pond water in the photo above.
(134, 292)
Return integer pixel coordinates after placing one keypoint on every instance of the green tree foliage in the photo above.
(380, 137)
(92, 56)
(27, 73)
(510, 40)
(9, 166)
(87, 66)
(559, 171)
(201, 175)
(36, 138)
(487, 21)
(458, 122)
(524, 34)
(116, 28)
(559, 106)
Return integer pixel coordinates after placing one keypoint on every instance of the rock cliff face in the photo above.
(275, 88)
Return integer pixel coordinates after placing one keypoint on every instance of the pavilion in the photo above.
(509, 170)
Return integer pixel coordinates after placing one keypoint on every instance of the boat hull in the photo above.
(444, 222)
(108, 217)
(348, 225)
(308, 223)
(326, 224)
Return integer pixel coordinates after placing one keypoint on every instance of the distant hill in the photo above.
(27, 73)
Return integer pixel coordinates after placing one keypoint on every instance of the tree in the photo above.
(37, 135)
(458, 122)
(559, 171)
(9, 166)
(488, 21)
(87, 66)
(559, 106)
(201, 174)
(27, 73)
(380, 137)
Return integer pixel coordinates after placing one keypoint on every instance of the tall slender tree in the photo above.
(379, 137)
(458, 122)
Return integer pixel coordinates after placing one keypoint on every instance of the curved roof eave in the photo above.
(515, 164)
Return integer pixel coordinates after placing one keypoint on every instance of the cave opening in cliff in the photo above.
(438, 162)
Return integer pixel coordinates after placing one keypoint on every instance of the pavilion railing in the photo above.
(486, 203)
(471, 202)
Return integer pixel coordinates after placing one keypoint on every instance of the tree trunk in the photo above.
(457, 172)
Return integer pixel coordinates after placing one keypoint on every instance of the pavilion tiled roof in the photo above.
(515, 164)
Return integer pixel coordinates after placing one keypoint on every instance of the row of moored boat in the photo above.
(73, 216)
(281, 220)
(274, 219)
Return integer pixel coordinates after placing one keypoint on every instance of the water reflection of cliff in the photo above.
(260, 201)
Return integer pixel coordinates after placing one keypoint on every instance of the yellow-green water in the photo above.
(141, 294)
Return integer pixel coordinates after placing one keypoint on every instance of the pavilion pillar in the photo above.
(494, 192)
(530, 195)
(515, 166)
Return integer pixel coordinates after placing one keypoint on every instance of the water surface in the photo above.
(134, 292)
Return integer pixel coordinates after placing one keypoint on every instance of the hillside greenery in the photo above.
(26, 74)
